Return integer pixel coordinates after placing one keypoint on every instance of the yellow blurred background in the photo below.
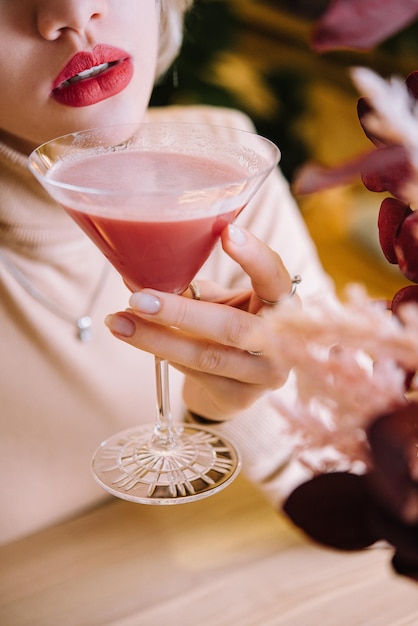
(256, 56)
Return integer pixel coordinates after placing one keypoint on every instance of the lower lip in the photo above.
(100, 87)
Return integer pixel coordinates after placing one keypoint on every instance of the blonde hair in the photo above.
(171, 32)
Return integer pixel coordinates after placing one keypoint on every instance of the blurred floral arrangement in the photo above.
(355, 424)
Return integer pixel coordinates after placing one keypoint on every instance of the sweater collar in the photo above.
(29, 218)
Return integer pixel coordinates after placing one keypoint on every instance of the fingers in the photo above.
(229, 378)
(189, 353)
(269, 277)
(200, 335)
(212, 292)
(216, 323)
(210, 342)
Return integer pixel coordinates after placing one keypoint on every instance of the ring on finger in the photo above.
(295, 281)
(195, 290)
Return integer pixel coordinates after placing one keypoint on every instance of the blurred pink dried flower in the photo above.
(349, 362)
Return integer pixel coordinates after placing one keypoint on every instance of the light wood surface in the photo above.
(227, 560)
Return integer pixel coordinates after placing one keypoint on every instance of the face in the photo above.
(68, 65)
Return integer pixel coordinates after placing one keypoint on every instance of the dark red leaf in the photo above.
(363, 110)
(403, 296)
(406, 562)
(403, 537)
(393, 440)
(387, 169)
(312, 177)
(334, 510)
(406, 246)
(412, 84)
(362, 24)
(391, 215)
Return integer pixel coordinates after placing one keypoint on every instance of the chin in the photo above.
(106, 117)
(127, 107)
(63, 120)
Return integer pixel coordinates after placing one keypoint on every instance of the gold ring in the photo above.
(195, 290)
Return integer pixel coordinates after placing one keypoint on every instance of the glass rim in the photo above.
(271, 161)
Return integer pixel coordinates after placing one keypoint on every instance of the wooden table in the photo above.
(227, 560)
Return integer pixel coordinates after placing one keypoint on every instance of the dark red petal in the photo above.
(363, 110)
(334, 510)
(362, 24)
(406, 247)
(391, 215)
(393, 440)
(403, 296)
(412, 84)
(387, 169)
(406, 562)
(403, 537)
(313, 177)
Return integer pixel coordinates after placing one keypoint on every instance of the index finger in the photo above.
(269, 277)
(215, 322)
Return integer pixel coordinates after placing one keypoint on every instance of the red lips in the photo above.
(90, 77)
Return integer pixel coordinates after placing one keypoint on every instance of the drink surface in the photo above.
(155, 216)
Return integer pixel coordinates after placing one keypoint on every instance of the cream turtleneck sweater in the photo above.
(61, 397)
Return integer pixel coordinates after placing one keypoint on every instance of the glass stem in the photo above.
(164, 435)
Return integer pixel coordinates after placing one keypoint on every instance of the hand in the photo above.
(209, 340)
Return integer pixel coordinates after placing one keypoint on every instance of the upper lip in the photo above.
(98, 59)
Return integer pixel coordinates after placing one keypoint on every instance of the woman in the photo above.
(68, 66)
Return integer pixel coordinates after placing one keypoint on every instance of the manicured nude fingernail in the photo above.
(120, 325)
(237, 235)
(145, 302)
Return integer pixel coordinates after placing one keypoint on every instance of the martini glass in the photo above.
(154, 198)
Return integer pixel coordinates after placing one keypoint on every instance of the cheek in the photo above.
(22, 95)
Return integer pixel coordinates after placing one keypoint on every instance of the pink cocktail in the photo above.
(160, 243)
(155, 199)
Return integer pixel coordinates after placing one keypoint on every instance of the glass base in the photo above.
(130, 466)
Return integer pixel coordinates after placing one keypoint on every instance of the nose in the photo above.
(54, 17)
